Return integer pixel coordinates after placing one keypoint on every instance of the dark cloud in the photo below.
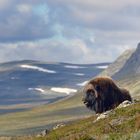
(20, 22)
(91, 30)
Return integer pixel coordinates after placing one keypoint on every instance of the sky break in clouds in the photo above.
(75, 31)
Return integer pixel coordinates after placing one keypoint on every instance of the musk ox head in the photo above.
(93, 98)
(101, 94)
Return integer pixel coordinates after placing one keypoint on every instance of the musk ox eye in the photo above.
(90, 95)
(89, 91)
(97, 88)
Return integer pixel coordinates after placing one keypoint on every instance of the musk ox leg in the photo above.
(98, 106)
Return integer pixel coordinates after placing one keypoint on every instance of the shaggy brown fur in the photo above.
(102, 94)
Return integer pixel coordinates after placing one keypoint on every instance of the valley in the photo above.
(35, 95)
(68, 106)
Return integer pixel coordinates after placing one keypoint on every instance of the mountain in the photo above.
(30, 83)
(66, 110)
(114, 67)
(123, 123)
(126, 70)
(131, 67)
(32, 94)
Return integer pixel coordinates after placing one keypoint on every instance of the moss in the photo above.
(136, 136)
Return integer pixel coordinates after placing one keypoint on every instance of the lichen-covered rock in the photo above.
(124, 104)
(58, 126)
(107, 113)
(43, 133)
(103, 115)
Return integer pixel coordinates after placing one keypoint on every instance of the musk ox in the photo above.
(102, 94)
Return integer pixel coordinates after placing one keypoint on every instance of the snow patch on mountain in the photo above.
(74, 67)
(102, 67)
(37, 68)
(14, 78)
(37, 89)
(82, 84)
(79, 74)
(63, 90)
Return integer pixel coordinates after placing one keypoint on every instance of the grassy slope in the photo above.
(34, 120)
(126, 121)
(39, 118)
(132, 83)
(122, 123)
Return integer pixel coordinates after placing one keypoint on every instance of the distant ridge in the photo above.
(118, 63)
(33, 81)
(126, 70)
(131, 67)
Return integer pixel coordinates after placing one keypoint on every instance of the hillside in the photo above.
(71, 108)
(126, 71)
(32, 105)
(26, 84)
(36, 119)
(131, 67)
(122, 123)
(117, 64)
(119, 124)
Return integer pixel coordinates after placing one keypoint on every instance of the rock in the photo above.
(136, 100)
(43, 133)
(124, 104)
(117, 121)
(102, 115)
(107, 113)
(58, 126)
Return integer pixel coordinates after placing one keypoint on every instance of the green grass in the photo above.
(38, 118)
(132, 83)
(70, 109)
(121, 124)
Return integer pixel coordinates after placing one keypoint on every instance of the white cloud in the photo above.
(75, 31)
(73, 51)
(4, 4)
(94, 3)
(24, 8)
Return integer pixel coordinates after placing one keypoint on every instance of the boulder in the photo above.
(58, 126)
(43, 133)
(124, 104)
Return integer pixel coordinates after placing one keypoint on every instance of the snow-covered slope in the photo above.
(39, 82)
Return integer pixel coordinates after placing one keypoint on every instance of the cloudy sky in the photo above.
(75, 31)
